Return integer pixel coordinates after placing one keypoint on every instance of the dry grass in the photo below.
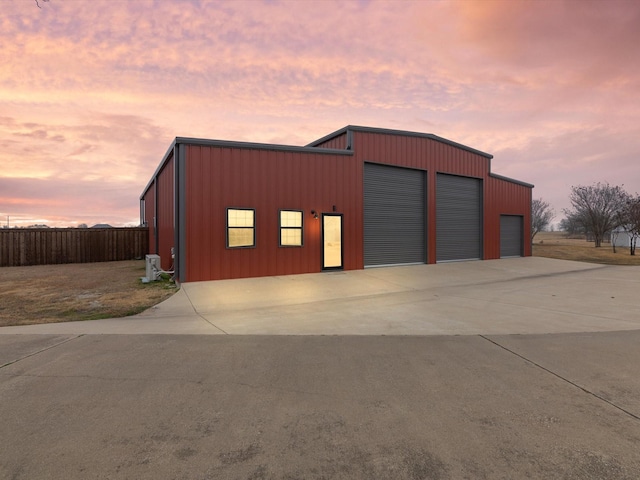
(557, 245)
(81, 291)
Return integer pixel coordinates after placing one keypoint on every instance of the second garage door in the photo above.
(394, 215)
(458, 218)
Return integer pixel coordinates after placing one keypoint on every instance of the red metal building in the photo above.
(359, 197)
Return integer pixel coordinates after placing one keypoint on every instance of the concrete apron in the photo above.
(509, 296)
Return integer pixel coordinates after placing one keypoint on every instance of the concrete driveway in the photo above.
(564, 406)
(506, 400)
(510, 296)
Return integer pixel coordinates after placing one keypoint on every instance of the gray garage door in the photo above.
(511, 236)
(394, 215)
(458, 218)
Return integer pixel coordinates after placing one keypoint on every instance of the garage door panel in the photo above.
(394, 215)
(458, 218)
(511, 236)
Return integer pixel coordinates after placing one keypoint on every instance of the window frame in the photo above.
(281, 228)
(252, 228)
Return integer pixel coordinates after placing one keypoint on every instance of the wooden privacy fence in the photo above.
(45, 246)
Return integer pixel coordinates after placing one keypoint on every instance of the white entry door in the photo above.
(331, 241)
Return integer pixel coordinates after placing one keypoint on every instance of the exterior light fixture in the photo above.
(315, 214)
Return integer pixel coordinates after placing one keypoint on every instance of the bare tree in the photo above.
(629, 221)
(634, 223)
(541, 216)
(597, 208)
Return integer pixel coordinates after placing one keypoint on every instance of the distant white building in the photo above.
(621, 238)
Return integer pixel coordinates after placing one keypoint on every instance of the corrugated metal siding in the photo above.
(165, 213)
(420, 153)
(217, 177)
(338, 142)
(500, 196)
(394, 215)
(504, 198)
(268, 181)
(149, 215)
(425, 154)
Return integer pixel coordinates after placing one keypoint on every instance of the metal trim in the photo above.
(159, 168)
(180, 214)
(405, 133)
(328, 137)
(260, 146)
(387, 131)
(511, 180)
(155, 214)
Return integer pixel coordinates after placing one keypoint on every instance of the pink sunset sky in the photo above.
(92, 92)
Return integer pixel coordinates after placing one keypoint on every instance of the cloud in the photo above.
(68, 201)
(578, 156)
(589, 35)
(95, 91)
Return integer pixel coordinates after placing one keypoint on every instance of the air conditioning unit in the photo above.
(153, 268)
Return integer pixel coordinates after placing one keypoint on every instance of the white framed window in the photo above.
(291, 228)
(241, 227)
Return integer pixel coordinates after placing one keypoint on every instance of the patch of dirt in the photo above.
(79, 291)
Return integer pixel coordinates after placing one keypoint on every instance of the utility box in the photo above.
(153, 267)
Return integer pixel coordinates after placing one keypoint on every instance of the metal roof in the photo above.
(404, 133)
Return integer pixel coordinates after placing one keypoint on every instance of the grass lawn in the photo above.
(556, 245)
(77, 291)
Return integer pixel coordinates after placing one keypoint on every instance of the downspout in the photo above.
(156, 239)
(179, 218)
(176, 208)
